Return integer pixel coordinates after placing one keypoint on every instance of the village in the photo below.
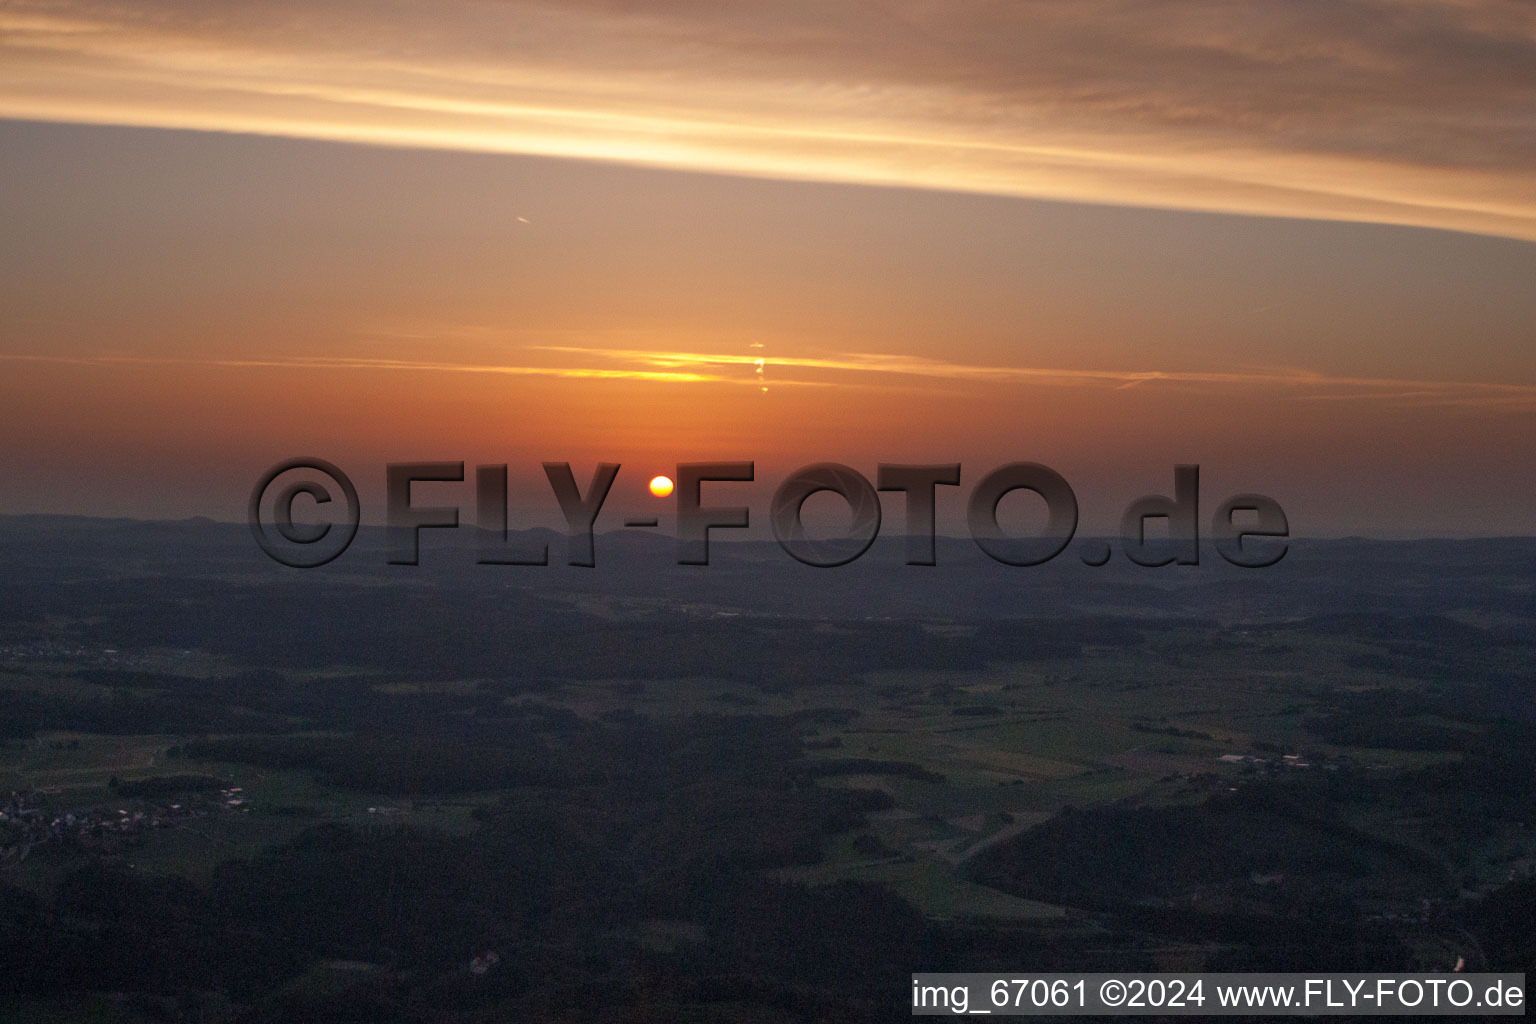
(25, 824)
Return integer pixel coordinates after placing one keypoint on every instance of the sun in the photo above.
(661, 486)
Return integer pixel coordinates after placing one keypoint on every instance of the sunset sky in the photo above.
(1291, 240)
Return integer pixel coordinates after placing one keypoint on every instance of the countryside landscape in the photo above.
(591, 799)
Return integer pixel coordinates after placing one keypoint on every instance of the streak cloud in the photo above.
(1413, 112)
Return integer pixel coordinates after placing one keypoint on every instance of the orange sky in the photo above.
(184, 308)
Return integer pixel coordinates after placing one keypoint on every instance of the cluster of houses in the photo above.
(1277, 763)
(25, 825)
(78, 654)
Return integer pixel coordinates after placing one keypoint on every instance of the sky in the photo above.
(1290, 241)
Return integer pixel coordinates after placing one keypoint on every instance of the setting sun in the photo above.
(661, 486)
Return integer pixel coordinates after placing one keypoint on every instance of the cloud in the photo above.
(1418, 112)
(861, 369)
(407, 365)
(866, 365)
